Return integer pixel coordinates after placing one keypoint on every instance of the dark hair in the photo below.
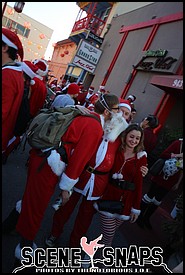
(12, 53)
(105, 101)
(131, 127)
(153, 121)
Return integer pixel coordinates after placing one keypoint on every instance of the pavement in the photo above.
(13, 184)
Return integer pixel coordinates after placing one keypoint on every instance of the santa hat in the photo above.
(91, 88)
(29, 68)
(42, 65)
(102, 87)
(73, 89)
(132, 97)
(12, 40)
(125, 103)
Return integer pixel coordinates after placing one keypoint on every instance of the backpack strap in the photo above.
(61, 150)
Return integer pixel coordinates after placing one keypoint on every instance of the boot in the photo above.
(9, 224)
(151, 209)
(144, 207)
(18, 266)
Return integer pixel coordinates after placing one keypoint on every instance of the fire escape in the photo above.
(92, 17)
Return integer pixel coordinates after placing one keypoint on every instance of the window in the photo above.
(12, 25)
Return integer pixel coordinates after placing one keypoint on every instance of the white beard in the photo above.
(114, 127)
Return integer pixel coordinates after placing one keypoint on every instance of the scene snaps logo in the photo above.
(113, 260)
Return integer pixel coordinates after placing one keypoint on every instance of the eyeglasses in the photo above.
(115, 108)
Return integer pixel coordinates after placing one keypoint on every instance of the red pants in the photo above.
(40, 187)
(82, 222)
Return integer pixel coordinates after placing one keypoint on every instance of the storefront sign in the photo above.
(87, 56)
(95, 38)
(84, 64)
(160, 61)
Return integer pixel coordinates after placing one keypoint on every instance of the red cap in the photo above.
(73, 89)
(125, 103)
(29, 68)
(91, 88)
(42, 65)
(12, 40)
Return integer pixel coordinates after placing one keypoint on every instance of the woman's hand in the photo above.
(144, 170)
(133, 217)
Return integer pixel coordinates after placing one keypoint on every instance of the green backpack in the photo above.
(47, 128)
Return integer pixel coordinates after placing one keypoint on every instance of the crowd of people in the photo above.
(111, 165)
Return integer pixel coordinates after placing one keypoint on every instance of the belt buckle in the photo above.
(90, 169)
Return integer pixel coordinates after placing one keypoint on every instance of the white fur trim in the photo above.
(39, 76)
(32, 82)
(18, 206)
(147, 199)
(141, 154)
(41, 72)
(117, 176)
(156, 202)
(67, 183)
(18, 251)
(125, 105)
(131, 97)
(8, 42)
(54, 161)
(135, 211)
(110, 215)
(27, 70)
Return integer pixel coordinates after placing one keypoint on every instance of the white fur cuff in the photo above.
(18, 206)
(135, 211)
(67, 183)
(54, 161)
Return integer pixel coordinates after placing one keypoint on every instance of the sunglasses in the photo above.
(115, 108)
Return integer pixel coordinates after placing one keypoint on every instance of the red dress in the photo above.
(40, 186)
(12, 92)
(131, 172)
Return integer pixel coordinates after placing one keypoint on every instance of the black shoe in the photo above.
(148, 225)
(4, 159)
(140, 222)
(9, 224)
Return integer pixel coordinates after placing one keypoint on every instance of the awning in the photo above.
(167, 82)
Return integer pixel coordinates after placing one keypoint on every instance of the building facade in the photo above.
(142, 54)
(34, 36)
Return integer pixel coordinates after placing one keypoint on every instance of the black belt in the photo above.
(92, 170)
(123, 184)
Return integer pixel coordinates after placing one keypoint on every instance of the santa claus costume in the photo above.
(38, 90)
(12, 87)
(92, 184)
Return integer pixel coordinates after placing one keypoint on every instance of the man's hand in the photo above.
(65, 196)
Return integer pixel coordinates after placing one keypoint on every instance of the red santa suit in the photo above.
(12, 92)
(130, 170)
(81, 98)
(91, 185)
(38, 95)
(41, 185)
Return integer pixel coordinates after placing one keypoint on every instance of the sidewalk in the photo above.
(13, 179)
